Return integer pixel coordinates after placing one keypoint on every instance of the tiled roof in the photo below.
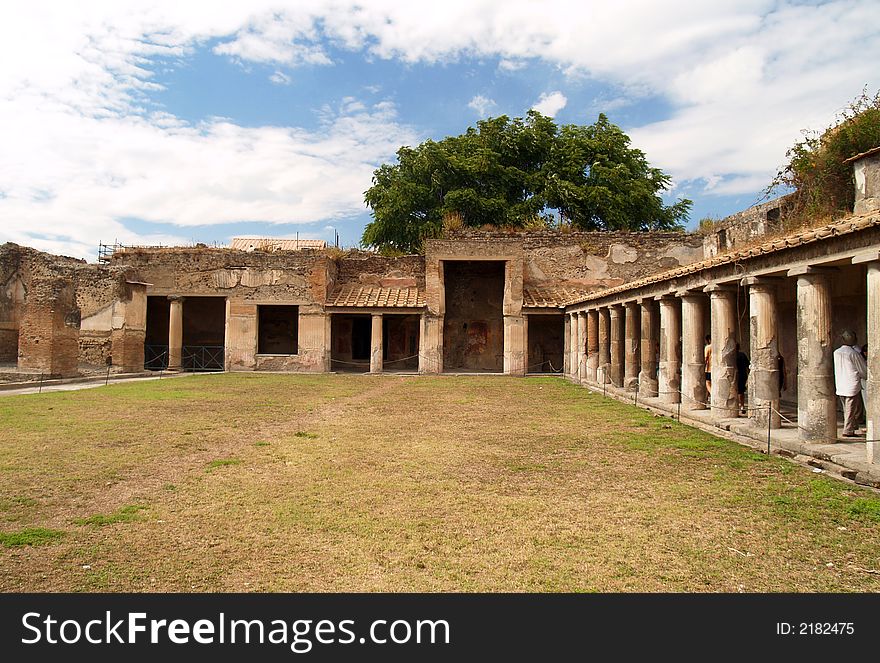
(272, 244)
(554, 297)
(373, 296)
(850, 224)
(869, 153)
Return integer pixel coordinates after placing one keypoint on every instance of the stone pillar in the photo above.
(603, 375)
(514, 362)
(431, 344)
(592, 344)
(129, 329)
(871, 260)
(670, 350)
(763, 351)
(873, 340)
(817, 401)
(582, 346)
(313, 342)
(240, 339)
(631, 347)
(376, 344)
(648, 349)
(175, 333)
(693, 334)
(724, 399)
(48, 339)
(566, 346)
(617, 345)
(573, 346)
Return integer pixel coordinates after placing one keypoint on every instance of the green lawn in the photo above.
(248, 482)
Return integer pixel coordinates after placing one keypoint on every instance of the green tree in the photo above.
(510, 173)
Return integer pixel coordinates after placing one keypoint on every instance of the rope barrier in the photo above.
(769, 408)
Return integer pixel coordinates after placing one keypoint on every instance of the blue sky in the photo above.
(181, 122)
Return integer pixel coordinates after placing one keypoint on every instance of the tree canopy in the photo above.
(519, 173)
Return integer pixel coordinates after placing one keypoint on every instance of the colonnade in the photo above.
(655, 345)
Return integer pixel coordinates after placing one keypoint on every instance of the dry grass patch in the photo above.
(351, 483)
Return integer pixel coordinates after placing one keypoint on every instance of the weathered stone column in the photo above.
(617, 344)
(763, 350)
(175, 333)
(632, 329)
(603, 370)
(872, 394)
(722, 299)
(817, 400)
(592, 344)
(648, 348)
(582, 347)
(873, 340)
(431, 344)
(514, 361)
(670, 350)
(573, 346)
(693, 333)
(376, 344)
(129, 329)
(566, 345)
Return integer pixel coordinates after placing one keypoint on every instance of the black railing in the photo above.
(155, 357)
(202, 358)
(194, 358)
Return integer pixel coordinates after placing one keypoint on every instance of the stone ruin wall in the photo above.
(55, 312)
(247, 279)
(247, 276)
(362, 268)
(39, 318)
(589, 261)
(866, 173)
(747, 227)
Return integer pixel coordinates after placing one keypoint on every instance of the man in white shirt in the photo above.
(850, 368)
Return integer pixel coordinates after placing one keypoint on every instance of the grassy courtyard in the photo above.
(246, 482)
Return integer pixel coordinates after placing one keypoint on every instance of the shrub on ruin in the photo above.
(822, 183)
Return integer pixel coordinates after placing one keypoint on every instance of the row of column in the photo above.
(656, 346)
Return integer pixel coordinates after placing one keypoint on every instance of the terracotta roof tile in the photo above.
(869, 153)
(554, 297)
(375, 297)
(848, 225)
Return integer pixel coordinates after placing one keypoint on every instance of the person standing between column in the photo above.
(742, 378)
(850, 368)
(707, 356)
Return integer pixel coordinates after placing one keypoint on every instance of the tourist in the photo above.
(850, 368)
(707, 355)
(742, 376)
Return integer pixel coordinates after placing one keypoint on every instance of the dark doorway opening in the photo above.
(350, 341)
(546, 337)
(204, 333)
(473, 328)
(156, 338)
(277, 330)
(400, 342)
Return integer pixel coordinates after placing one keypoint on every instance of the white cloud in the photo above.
(507, 65)
(482, 105)
(280, 78)
(550, 103)
(83, 149)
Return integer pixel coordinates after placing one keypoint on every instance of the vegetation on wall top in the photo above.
(822, 182)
